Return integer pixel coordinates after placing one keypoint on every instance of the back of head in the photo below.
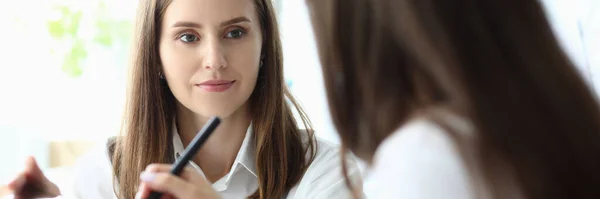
(495, 62)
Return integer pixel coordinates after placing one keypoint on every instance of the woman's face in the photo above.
(210, 52)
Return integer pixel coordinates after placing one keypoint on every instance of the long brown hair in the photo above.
(281, 150)
(494, 62)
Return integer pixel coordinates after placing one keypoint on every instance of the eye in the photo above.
(188, 38)
(237, 33)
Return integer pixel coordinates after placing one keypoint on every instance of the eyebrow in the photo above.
(186, 24)
(235, 20)
(189, 24)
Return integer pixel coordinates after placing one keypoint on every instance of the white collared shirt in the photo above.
(242, 173)
(323, 178)
(418, 161)
(421, 160)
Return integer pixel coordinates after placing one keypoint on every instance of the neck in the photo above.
(218, 154)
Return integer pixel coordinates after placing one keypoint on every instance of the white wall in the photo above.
(38, 102)
(577, 26)
(302, 66)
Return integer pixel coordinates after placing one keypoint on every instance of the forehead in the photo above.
(209, 12)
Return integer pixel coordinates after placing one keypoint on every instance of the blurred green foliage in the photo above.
(109, 32)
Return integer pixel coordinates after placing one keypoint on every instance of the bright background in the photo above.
(64, 65)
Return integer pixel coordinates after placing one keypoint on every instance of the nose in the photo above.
(214, 57)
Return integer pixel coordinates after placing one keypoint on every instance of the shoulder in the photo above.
(92, 174)
(324, 177)
(420, 160)
(328, 156)
(419, 133)
(331, 153)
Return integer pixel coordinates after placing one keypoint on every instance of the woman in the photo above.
(199, 58)
(458, 99)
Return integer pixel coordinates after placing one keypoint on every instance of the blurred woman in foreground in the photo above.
(458, 99)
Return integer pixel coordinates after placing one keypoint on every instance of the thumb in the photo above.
(32, 168)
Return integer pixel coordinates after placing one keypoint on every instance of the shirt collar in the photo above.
(245, 156)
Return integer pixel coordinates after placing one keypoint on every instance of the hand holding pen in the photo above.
(178, 180)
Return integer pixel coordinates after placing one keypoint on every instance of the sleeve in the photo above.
(91, 177)
(419, 161)
(324, 178)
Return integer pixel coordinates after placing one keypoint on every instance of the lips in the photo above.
(216, 85)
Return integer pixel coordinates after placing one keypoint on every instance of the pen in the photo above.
(191, 150)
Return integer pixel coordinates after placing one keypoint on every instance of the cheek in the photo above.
(174, 59)
(250, 76)
(245, 62)
(177, 65)
(244, 57)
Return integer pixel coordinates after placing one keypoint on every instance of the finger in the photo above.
(140, 192)
(144, 192)
(166, 183)
(188, 173)
(32, 167)
(17, 184)
(32, 172)
(36, 182)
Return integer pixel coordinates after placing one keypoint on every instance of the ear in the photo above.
(161, 71)
(160, 67)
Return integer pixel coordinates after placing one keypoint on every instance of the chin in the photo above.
(222, 111)
(222, 107)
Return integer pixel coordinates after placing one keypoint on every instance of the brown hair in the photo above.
(280, 153)
(494, 62)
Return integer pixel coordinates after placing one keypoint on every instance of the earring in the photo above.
(261, 63)
(161, 76)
